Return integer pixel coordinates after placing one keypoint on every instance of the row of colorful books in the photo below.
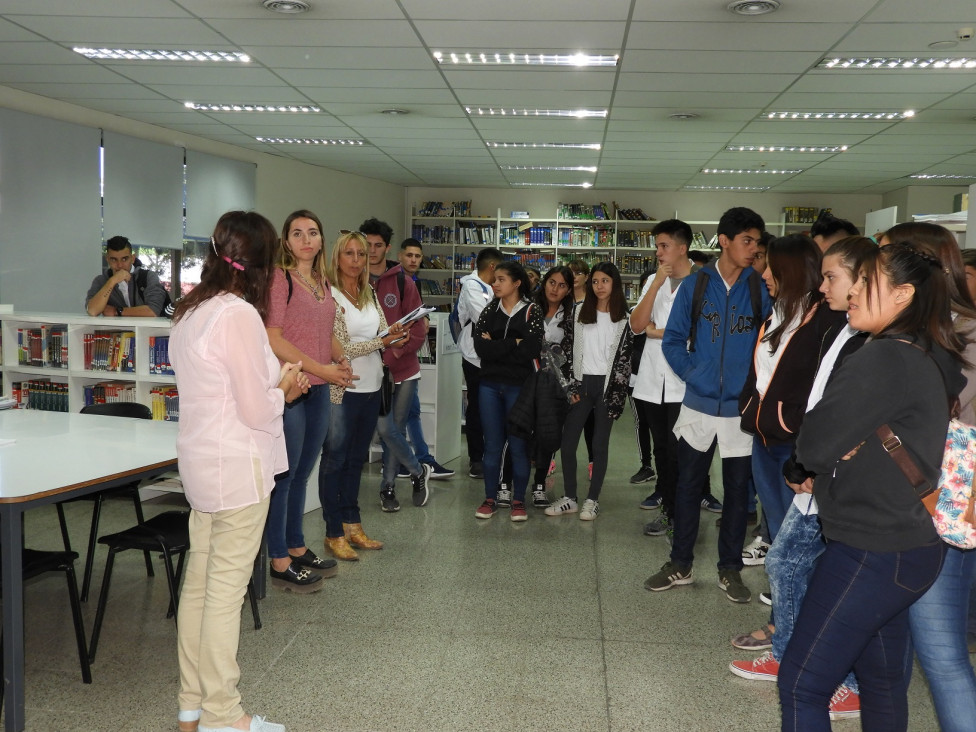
(430, 287)
(585, 211)
(632, 264)
(477, 235)
(45, 346)
(803, 214)
(43, 394)
(107, 350)
(634, 239)
(108, 392)
(433, 234)
(515, 236)
(159, 355)
(585, 236)
(165, 403)
(444, 208)
(542, 261)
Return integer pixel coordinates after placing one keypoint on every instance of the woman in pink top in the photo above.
(230, 447)
(300, 323)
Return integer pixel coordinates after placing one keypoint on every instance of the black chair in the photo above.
(168, 533)
(36, 563)
(129, 491)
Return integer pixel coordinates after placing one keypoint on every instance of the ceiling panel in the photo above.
(356, 59)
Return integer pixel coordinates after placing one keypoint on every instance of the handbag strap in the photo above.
(894, 447)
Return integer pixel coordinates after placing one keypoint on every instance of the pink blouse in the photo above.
(305, 322)
(230, 443)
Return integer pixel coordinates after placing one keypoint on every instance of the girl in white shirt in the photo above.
(598, 350)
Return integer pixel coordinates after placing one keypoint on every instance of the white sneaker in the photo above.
(563, 505)
(590, 510)
(755, 553)
(504, 499)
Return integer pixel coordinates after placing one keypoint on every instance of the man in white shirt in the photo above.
(658, 390)
(475, 294)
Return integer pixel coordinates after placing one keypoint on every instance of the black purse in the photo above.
(386, 392)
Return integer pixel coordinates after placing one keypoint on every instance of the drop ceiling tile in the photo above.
(382, 97)
(841, 99)
(541, 36)
(630, 118)
(695, 82)
(535, 98)
(716, 36)
(81, 92)
(39, 52)
(700, 61)
(516, 10)
(884, 82)
(218, 93)
(98, 8)
(899, 39)
(110, 30)
(330, 33)
(521, 78)
(345, 57)
(197, 74)
(66, 74)
(693, 99)
(320, 11)
(843, 11)
(910, 11)
(363, 78)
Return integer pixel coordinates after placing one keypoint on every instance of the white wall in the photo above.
(913, 200)
(341, 200)
(689, 206)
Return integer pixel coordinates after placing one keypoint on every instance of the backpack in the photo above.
(454, 319)
(698, 296)
(142, 279)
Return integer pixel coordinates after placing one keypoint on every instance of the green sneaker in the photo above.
(730, 581)
(670, 575)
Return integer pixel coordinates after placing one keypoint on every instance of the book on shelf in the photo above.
(159, 355)
(109, 392)
(583, 211)
(165, 403)
(541, 260)
(43, 394)
(106, 350)
(630, 214)
(803, 214)
(427, 353)
(444, 208)
(635, 238)
(635, 265)
(44, 346)
(433, 234)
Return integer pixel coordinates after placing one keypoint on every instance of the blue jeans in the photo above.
(393, 429)
(789, 566)
(415, 431)
(938, 624)
(767, 473)
(306, 424)
(351, 428)
(495, 401)
(855, 615)
(692, 478)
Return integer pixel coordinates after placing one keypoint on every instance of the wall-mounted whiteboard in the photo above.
(880, 220)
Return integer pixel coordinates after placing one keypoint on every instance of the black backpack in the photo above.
(142, 279)
(701, 282)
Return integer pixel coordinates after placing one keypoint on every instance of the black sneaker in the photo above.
(438, 471)
(476, 470)
(730, 581)
(299, 580)
(644, 475)
(421, 489)
(389, 502)
(324, 568)
(711, 503)
(504, 497)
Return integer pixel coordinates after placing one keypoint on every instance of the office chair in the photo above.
(129, 490)
(168, 533)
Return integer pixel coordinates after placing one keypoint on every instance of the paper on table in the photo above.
(417, 314)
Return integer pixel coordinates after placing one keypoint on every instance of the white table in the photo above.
(56, 456)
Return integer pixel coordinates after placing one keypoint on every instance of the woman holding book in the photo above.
(230, 446)
(300, 322)
(355, 410)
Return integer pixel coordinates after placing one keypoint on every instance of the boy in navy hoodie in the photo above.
(712, 357)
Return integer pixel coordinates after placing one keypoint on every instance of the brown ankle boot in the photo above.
(340, 548)
(357, 537)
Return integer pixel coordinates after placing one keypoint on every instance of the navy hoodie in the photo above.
(715, 372)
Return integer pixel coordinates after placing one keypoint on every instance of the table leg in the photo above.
(11, 567)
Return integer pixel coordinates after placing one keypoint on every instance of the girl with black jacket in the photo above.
(507, 338)
(882, 550)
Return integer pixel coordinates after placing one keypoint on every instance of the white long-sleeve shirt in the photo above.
(230, 443)
(474, 296)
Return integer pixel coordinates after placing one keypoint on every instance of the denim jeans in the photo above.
(692, 478)
(472, 415)
(496, 400)
(415, 431)
(938, 625)
(306, 424)
(392, 428)
(767, 473)
(789, 566)
(590, 406)
(855, 615)
(351, 428)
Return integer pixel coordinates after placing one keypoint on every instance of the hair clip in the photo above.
(231, 262)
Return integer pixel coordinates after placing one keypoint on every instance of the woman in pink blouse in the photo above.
(300, 323)
(230, 447)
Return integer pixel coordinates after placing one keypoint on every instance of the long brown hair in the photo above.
(618, 301)
(239, 261)
(286, 258)
(794, 261)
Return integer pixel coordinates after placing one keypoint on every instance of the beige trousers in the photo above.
(221, 557)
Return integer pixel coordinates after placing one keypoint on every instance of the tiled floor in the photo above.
(458, 624)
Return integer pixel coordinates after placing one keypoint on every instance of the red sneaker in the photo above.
(518, 511)
(845, 703)
(486, 510)
(764, 668)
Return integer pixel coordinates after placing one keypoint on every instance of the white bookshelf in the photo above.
(75, 375)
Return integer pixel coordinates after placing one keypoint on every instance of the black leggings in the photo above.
(590, 406)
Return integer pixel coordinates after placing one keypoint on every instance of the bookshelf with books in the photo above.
(83, 359)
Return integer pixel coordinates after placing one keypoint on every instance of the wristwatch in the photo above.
(118, 311)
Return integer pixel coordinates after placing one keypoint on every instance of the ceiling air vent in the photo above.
(753, 7)
(287, 6)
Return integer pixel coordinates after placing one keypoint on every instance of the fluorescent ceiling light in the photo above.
(548, 145)
(856, 116)
(508, 112)
(308, 141)
(940, 176)
(554, 185)
(729, 171)
(305, 108)
(576, 168)
(787, 148)
(726, 188)
(901, 64)
(509, 58)
(145, 54)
